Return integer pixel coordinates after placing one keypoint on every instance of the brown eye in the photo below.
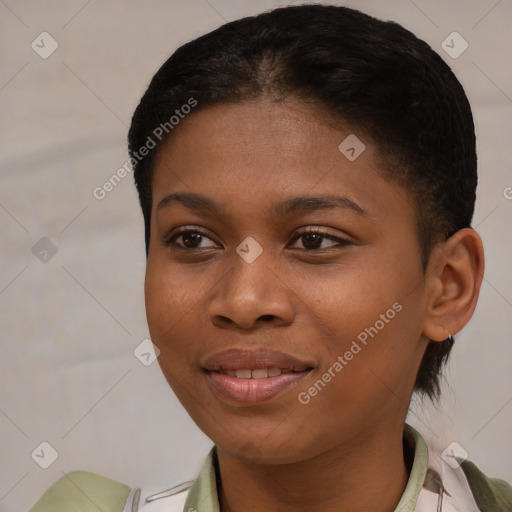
(191, 239)
(312, 239)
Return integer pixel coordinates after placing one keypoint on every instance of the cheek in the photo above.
(171, 306)
(172, 293)
(348, 299)
(370, 317)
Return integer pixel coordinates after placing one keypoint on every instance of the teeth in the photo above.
(260, 373)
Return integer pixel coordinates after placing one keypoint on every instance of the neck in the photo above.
(367, 473)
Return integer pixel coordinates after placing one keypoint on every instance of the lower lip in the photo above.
(252, 391)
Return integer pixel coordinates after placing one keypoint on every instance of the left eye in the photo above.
(312, 239)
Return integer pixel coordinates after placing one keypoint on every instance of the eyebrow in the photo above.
(295, 205)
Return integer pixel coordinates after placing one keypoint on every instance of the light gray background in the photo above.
(69, 326)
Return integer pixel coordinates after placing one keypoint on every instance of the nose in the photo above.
(250, 296)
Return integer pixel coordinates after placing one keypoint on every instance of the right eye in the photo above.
(191, 239)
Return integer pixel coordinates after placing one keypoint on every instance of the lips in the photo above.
(252, 376)
(255, 359)
(259, 373)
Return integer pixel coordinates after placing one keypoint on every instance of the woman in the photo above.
(307, 179)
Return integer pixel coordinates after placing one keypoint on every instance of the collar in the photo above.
(203, 494)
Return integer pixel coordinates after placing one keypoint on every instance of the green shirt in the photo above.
(489, 495)
(433, 485)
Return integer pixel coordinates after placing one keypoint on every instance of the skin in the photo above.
(342, 450)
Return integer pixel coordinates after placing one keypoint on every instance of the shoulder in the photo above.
(459, 482)
(491, 494)
(83, 491)
(168, 500)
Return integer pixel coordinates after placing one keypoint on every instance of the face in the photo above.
(276, 256)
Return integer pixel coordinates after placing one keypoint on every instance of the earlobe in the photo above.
(455, 273)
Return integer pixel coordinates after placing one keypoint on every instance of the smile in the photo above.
(241, 376)
(250, 387)
(260, 373)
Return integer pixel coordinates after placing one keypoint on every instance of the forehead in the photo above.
(256, 153)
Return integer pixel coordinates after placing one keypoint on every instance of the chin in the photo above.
(268, 451)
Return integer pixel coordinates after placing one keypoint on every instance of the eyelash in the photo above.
(170, 241)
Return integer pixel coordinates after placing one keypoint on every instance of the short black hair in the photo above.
(374, 75)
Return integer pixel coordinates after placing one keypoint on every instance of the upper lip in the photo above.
(254, 359)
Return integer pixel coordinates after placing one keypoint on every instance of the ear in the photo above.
(455, 272)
